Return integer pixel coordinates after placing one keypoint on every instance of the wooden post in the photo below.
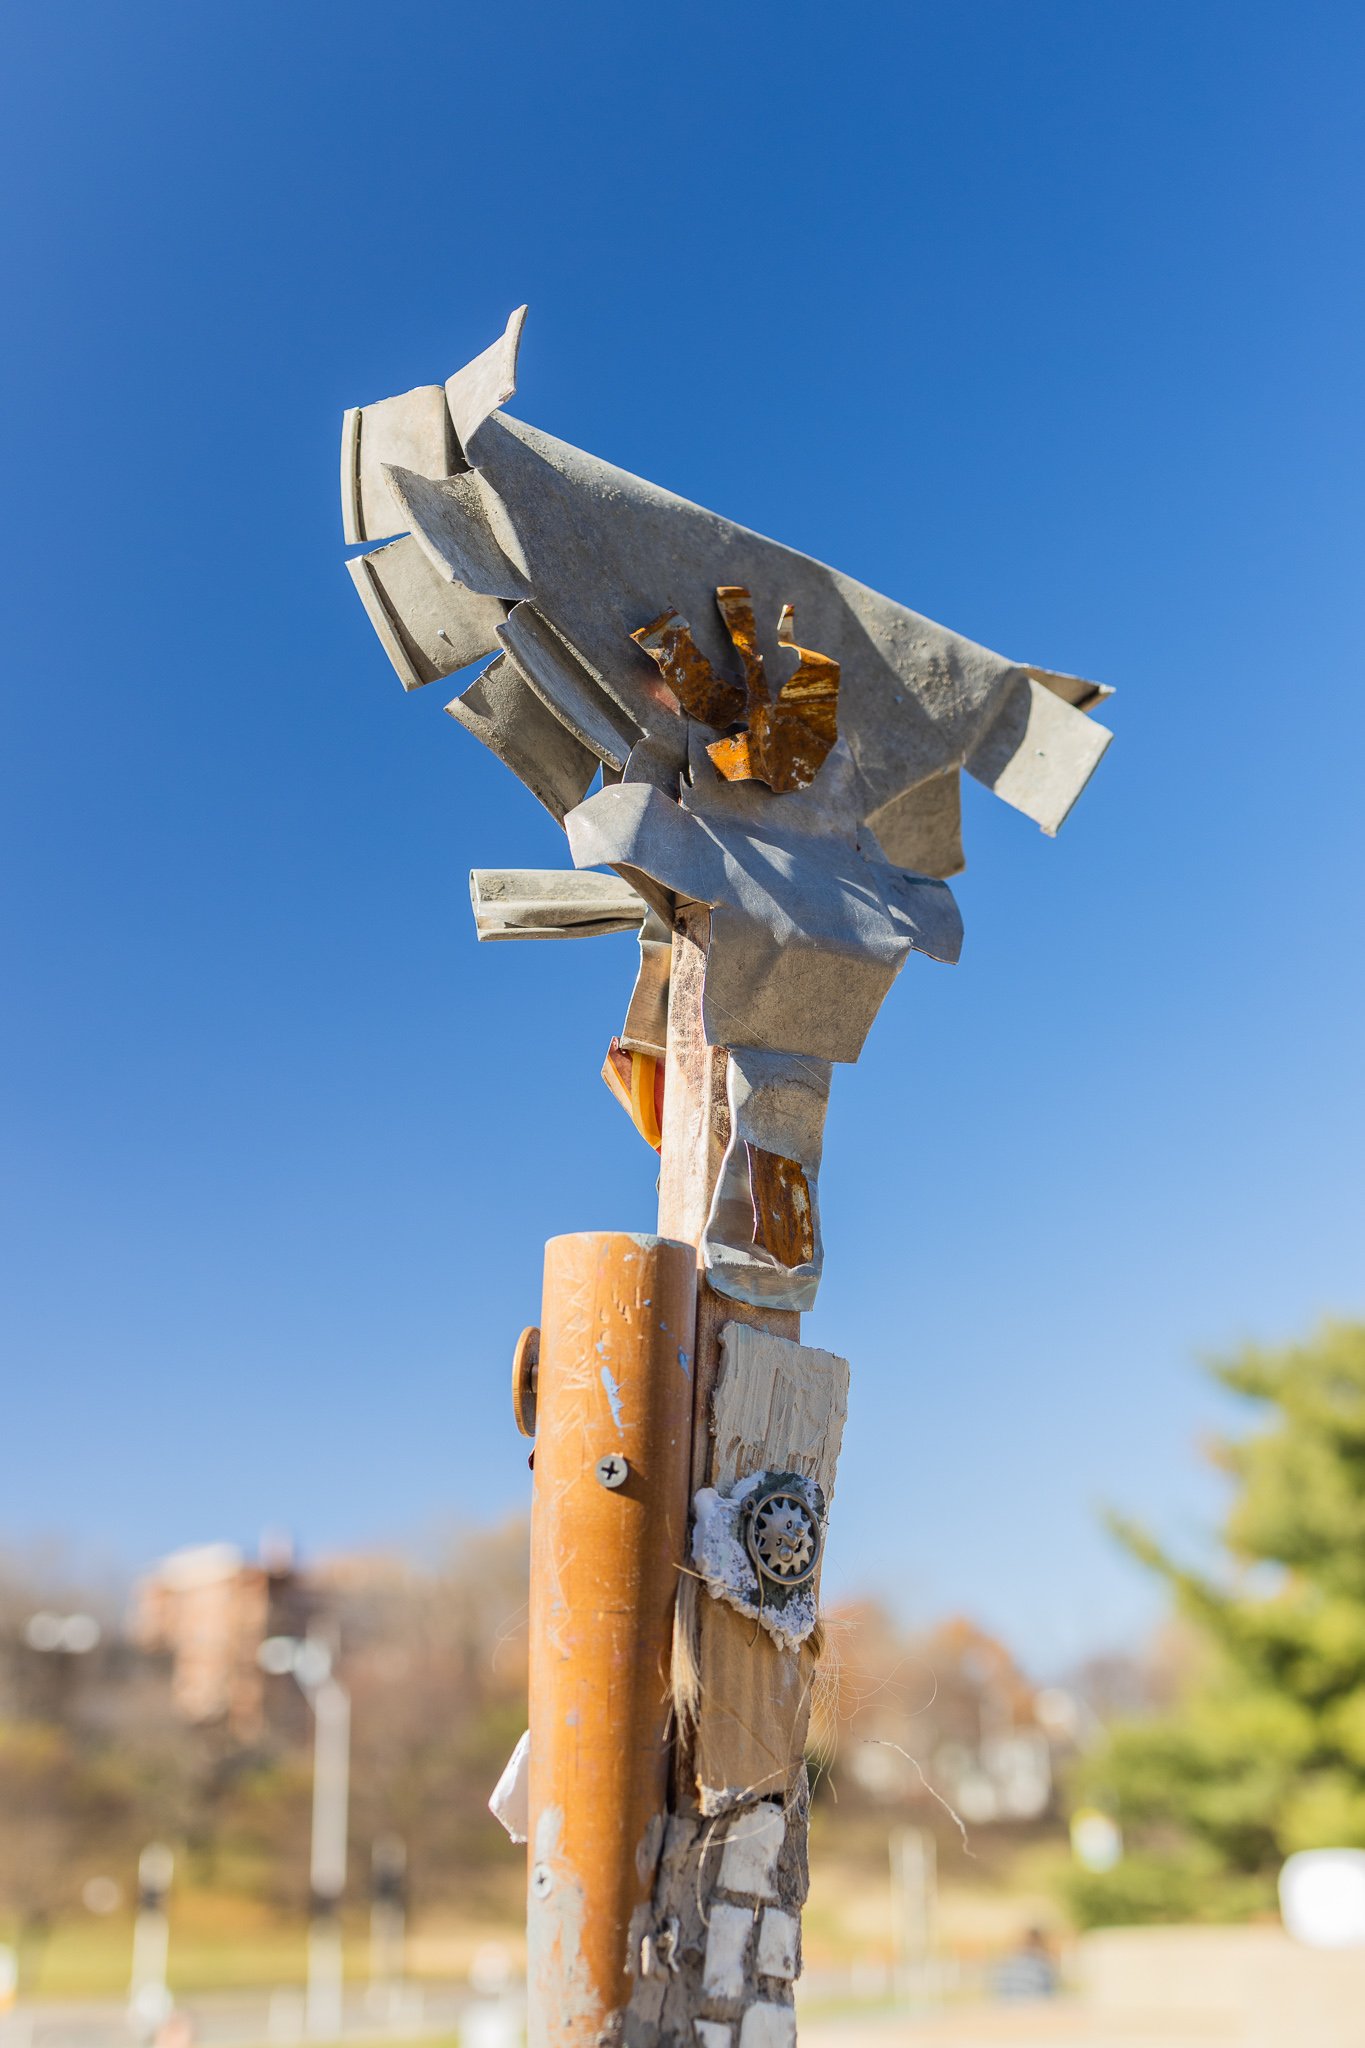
(608, 1526)
(670, 2005)
(696, 1126)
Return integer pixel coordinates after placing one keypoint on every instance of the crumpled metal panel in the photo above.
(646, 1025)
(660, 758)
(1037, 753)
(825, 809)
(777, 1107)
(465, 529)
(428, 626)
(922, 828)
(807, 933)
(551, 903)
(476, 391)
(786, 736)
(783, 1207)
(501, 709)
(670, 644)
(1074, 690)
(413, 430)
(566, 687)
(820, 883)
(600, 551)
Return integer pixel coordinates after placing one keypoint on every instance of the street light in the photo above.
(71, 1635)
(308, 1660)
(388, 1918)
(149, 2000)
(59, 1643)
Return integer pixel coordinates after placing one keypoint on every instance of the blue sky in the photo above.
(1043, 319)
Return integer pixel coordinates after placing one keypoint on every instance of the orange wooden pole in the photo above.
(608, 1529)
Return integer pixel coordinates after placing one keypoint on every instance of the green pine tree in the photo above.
(1266, 1753)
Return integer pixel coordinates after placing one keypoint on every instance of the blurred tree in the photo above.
(934, 1729)
(437, 1670)
(1266, 1754)
(62, 1816)
(95, 1759)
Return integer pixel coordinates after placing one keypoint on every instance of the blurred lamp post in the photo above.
(59, 1641)
(914, 1901)
(388, 1914)
(308, 1661)
(149, 2001)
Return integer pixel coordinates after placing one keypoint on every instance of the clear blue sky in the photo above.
(1044, 319)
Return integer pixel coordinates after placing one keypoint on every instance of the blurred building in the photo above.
(942, 1719)
(209, 1610)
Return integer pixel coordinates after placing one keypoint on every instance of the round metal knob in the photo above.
(525, 1373)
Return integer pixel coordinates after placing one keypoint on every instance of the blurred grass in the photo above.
(86, 1958)
(988, 1897)
(222, 1942)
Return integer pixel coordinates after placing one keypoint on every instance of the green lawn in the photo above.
(221, 1951)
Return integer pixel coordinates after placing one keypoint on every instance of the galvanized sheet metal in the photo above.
(501, 709)
(777, 1105)
(603, 553)
(428, 626)
(807, 933)
(551, 903)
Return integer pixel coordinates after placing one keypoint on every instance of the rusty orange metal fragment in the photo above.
(784, 1222)
(790, 739)
(702, 694)
(736, 608)
(785, 739)
(733, 759)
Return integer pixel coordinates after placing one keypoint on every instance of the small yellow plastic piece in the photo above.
(633, 1078)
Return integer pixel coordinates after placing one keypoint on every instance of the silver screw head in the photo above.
(612, 1471)
(542, 1881)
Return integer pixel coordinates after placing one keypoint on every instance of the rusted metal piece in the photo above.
(784, 1222)
(736, 608)
(788, 738)
(803, 724)
(733, 758)
(525, 1365)
(615, 1382)
(702, 694)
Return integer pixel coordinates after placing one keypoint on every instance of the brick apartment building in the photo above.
(209, 1610)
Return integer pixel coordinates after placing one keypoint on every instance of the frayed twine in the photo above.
(684, 1666)
(881, 1742)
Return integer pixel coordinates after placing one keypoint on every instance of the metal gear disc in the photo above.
(785, 1538)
